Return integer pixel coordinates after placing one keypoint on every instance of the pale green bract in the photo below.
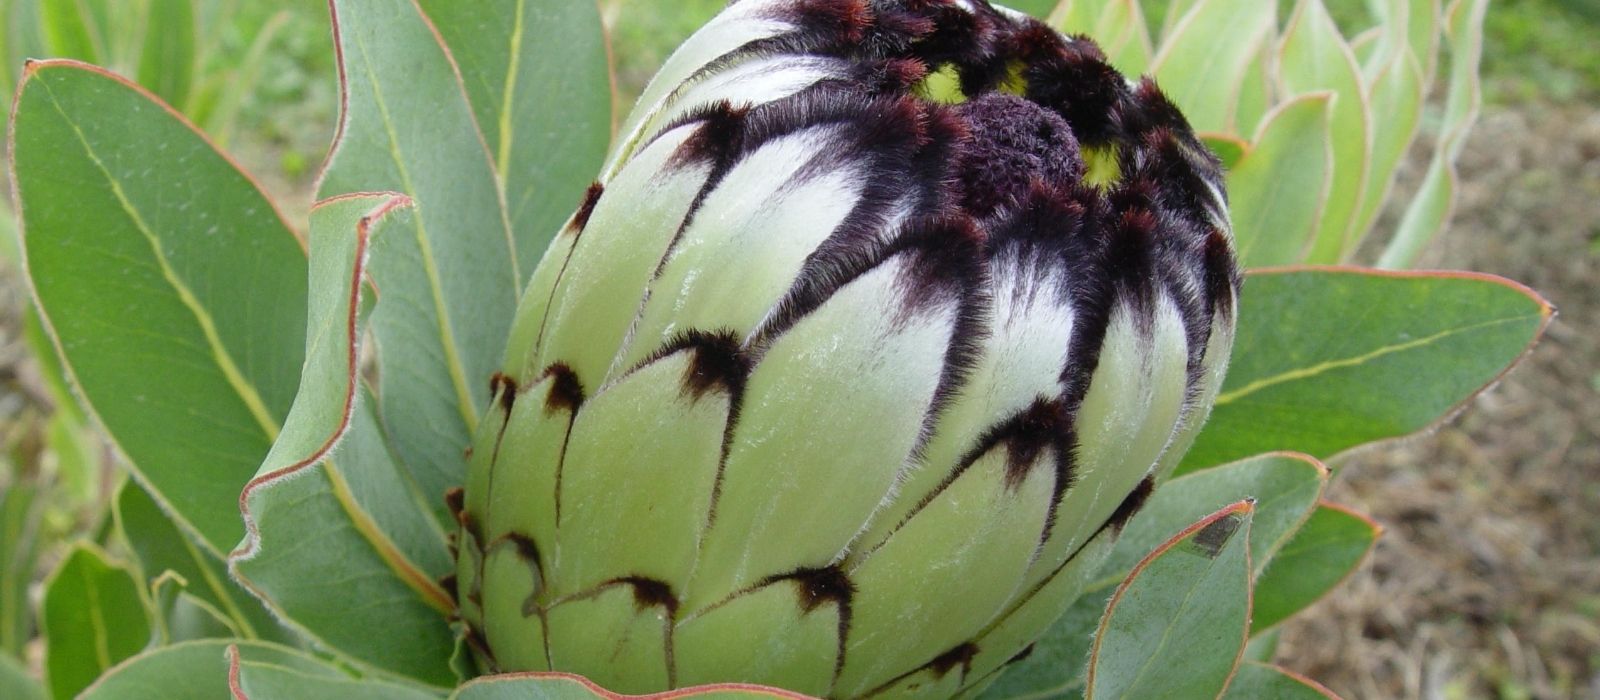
(876, 329)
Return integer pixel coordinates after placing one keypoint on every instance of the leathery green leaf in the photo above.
(70, 30)
(1176, 627)
(539, 80)
(1278, 189)
(1201, 75)
(1037, 8)
(330, 496)
(1330, 358)
(1430, 209)
(180, 318)
(1397, 94)
(1314, 57)
(450, 283)
(15, 681)
(1285, 487)
(167, 59)
(161, 548)
(266, 679)
(196, 670)
(1118, 26)
(93, 616)
(1322, 553)
(21, 511)
(567, 686)
(1257, 680)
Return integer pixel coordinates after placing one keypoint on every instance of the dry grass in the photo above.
(1487, 581)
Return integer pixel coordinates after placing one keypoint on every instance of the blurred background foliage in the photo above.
(1487, 584)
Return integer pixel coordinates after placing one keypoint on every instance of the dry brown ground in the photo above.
(1486, 583)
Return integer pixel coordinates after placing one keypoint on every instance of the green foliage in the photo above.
(1383, 355)
(231, 371)
(93, 616)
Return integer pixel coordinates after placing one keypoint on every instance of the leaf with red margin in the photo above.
(539, 79)
(1331, 358)
(1258, 681)
(450, 282)
(171, 286)
(196, 670)
(1320, 556)
(330, 497)
(567, 686)
(255, 679)
(1284, 485)
(1176, 627)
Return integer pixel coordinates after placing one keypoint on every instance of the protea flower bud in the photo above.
(880, 313)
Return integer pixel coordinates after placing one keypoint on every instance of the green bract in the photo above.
(877, 318)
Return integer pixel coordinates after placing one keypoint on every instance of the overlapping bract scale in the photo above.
(882, 319)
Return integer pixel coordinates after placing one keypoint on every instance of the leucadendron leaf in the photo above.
(1330, 358)
(1202, 75)
(240, 668)
(1431, 207)
(162, 549)
(1259, 681)
(93, 616)
(538, 78)
(1314, 57)
(566, 686)
(21, 511)
(1177, 625)
(1118, 26)
(331, 497)
(173, 290)
(450, 282)
(1322, 553)
(15, 681)
(1278, 188)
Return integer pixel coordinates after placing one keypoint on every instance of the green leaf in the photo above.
(20, 513)
(1257, 94)
(1328, 359)
(1314, 57)
(566, 686)
(451, 282)
(1228, 149)
(167, 58)
(1278, 188)
(70, 31)
(1202, 75)
(1037, 8)
(1430, 209)
(216, 103)
(1176, 626)
(172, 288)
(1284, 486)
(539, 80)
(15, 681)
(330, 497)
(161, 547)
(1118, 26)
(265, 679)
(197, 670)
(93, 616)
(1255, 681)
(1322, 553)
(1397, 95)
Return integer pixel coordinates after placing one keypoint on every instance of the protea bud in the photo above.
(880, 313)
